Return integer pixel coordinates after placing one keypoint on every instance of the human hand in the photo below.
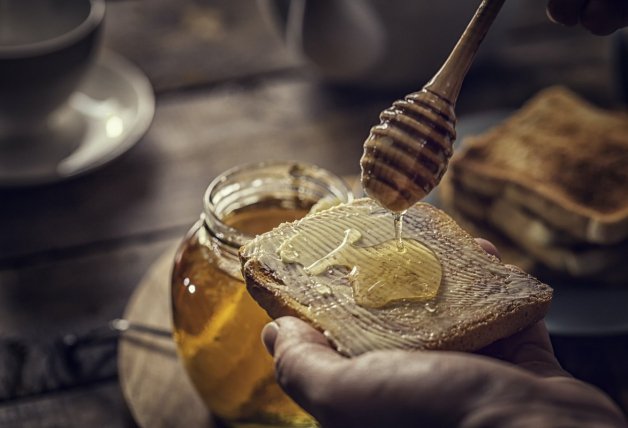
(601, 17)
(513, 382)
(432, 388)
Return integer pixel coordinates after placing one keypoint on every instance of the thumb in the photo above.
(305, 363)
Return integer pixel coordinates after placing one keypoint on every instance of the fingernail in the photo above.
(269, 336)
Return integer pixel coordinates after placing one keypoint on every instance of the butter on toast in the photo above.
(479, 299)
(563, 159)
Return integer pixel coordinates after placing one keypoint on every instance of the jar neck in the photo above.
(217, 241)
(224, 253)
(288, 184)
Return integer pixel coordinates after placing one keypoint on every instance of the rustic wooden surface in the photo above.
(71, 254)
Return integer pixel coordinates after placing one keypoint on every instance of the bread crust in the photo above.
(484, 332)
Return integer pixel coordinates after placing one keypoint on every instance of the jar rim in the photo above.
(235, 238)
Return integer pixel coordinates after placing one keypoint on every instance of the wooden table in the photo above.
(228, 93)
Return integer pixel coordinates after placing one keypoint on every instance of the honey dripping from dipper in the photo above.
(406, 154)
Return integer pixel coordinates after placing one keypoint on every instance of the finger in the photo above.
(269, 337)
(602, 17)
(530, 349)
(488, 247)
(304, 361)
(566, 12)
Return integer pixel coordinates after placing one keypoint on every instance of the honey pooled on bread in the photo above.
(474, 301)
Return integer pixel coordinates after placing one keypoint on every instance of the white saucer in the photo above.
(104, 118)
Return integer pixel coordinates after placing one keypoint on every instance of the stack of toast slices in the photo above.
(550, 186)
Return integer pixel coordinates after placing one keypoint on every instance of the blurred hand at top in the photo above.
(601, 17)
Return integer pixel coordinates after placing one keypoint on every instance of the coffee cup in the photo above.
(46, 48)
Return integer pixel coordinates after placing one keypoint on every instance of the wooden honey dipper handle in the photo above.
(448, 80)
(406, 155)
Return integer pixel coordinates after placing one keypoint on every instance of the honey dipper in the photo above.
(406, 155)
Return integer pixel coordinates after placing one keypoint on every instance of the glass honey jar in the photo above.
(217, 324)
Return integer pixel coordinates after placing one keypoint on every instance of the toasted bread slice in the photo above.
(479, 299)
(524, 223)
(530, 235)
(562, 158)
(525, 241)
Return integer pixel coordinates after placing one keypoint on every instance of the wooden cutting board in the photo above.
(152, 378)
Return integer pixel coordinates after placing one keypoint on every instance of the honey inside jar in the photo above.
(217, 323)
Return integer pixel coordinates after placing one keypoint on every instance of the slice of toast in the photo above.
(531, 236)
(525, 241)
(563, 159)
(528, 226)
(479, 299)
